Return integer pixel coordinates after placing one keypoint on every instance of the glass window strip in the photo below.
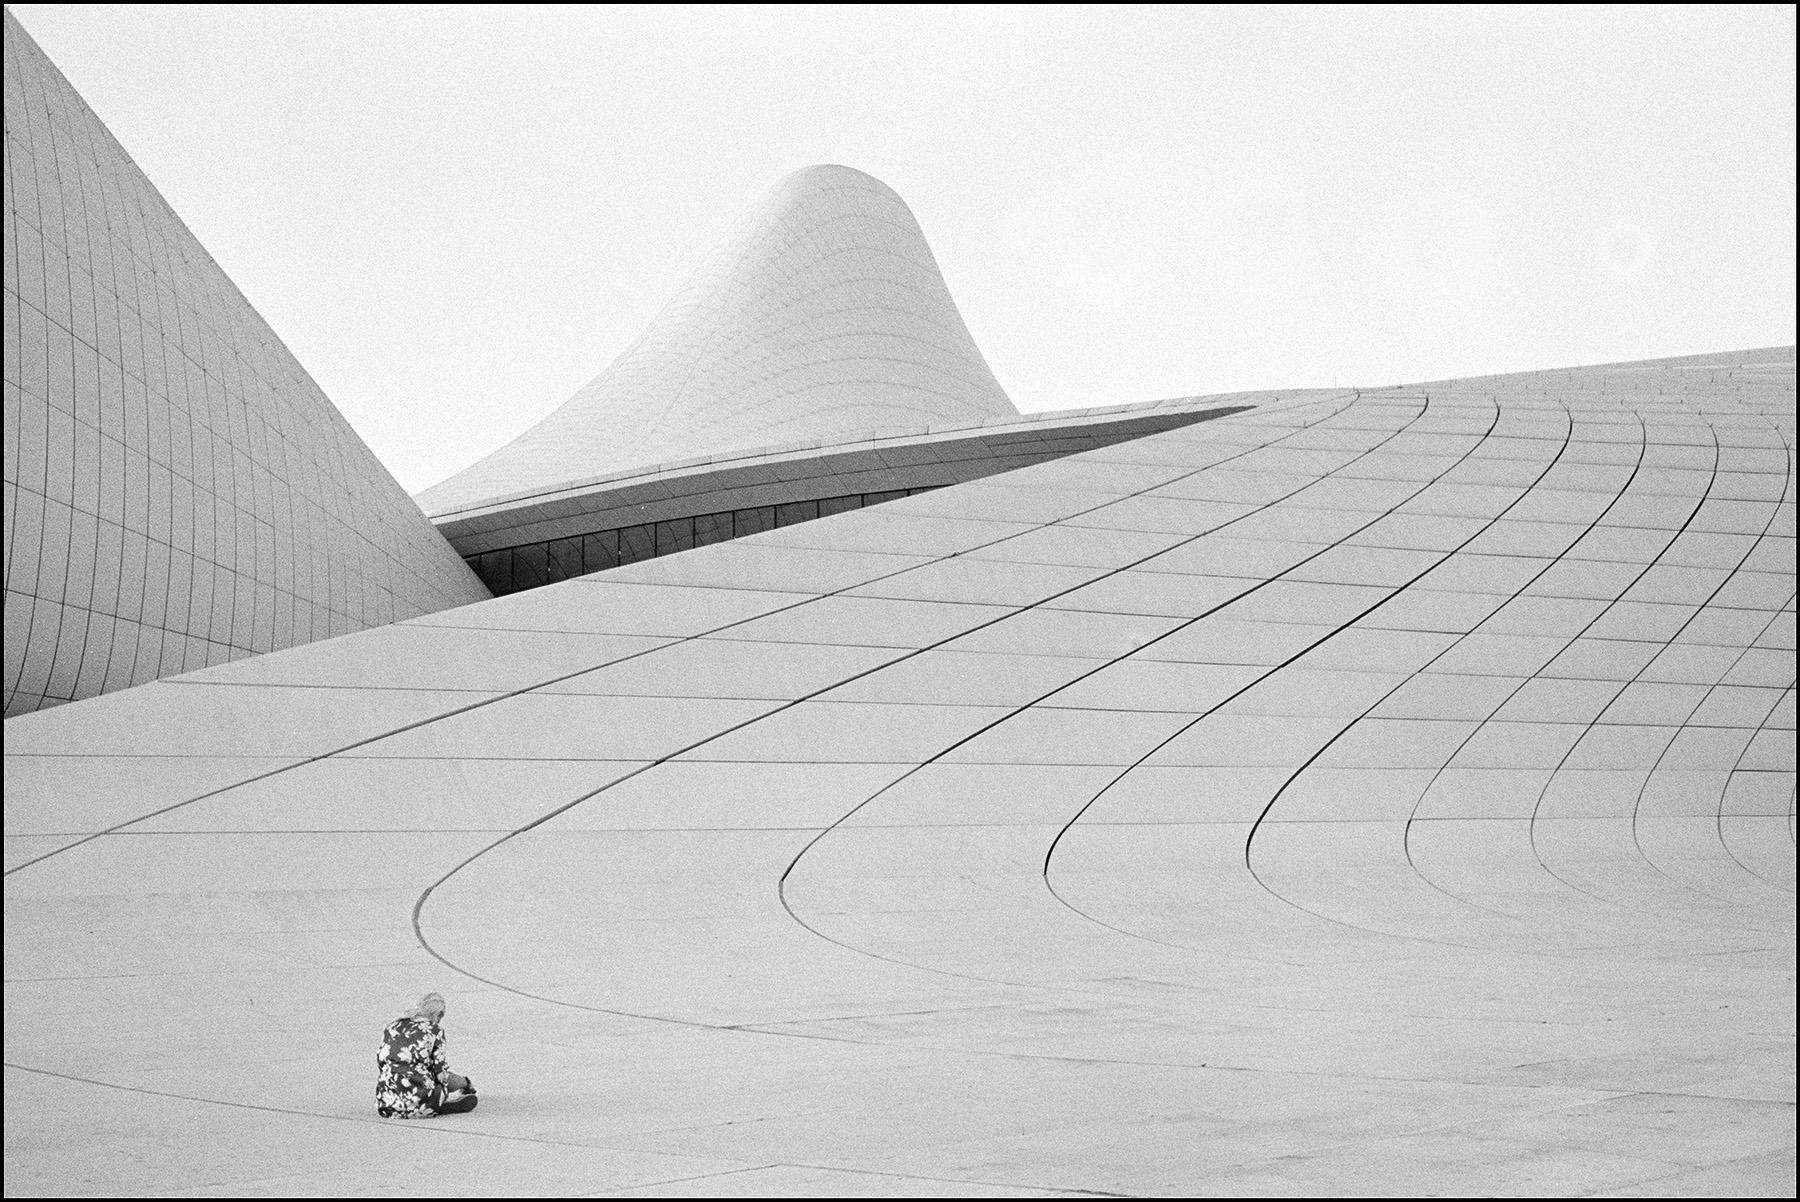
(530, 565)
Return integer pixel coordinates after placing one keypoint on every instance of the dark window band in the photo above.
(532, 565)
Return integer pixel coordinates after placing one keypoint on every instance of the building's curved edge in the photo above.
(823, 313)
(688, 466)
(541, 540)
(179, 492)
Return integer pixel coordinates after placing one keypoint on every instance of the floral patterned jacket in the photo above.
(412, 1071)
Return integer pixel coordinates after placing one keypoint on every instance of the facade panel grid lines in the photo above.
(170, 467)
(966, 787)
(823, 314)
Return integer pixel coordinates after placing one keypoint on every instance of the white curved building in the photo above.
(823, 314)
(179, 492)
(1379, 791)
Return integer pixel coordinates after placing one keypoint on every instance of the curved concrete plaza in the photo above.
(1374, 791)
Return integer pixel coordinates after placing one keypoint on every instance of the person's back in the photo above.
(413, 1080)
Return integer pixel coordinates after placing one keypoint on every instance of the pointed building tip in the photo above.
(823, 314)
(809, 182)
(833, 172)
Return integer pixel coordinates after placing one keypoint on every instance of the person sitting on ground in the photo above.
(413, 1079)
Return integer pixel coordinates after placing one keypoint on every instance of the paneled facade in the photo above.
(823, 314)
(178, 491)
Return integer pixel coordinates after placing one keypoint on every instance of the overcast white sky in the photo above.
(457, 216)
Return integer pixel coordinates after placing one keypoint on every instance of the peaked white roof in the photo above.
(824, 313)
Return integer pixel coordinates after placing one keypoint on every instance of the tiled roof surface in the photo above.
(823, 314)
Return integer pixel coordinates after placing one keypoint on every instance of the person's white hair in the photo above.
(430, 1006)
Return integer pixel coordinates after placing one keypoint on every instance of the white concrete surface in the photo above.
(1389, 792)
